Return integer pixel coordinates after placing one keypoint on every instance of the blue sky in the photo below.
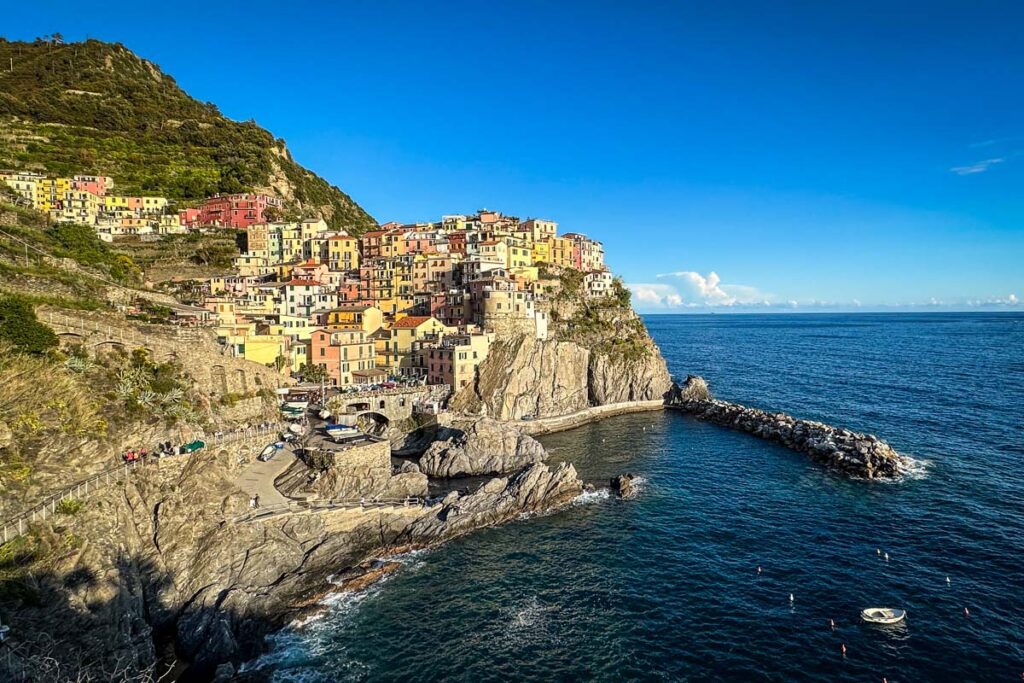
(735, 155)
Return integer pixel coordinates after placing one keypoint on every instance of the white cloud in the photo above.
(978, 167)
(689, 289)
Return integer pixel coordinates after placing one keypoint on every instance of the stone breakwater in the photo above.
(857, 454)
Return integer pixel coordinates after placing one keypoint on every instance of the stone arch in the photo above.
(110, 343)
(243, 382)
(358, 406)
(219, 378)
(372, 423)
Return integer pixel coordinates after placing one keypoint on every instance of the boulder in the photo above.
(623, 486)
(480, 446)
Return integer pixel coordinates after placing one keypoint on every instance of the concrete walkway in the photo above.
(258, 477)
(559, 423)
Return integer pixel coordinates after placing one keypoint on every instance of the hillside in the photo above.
(96, 107)
(90, 365)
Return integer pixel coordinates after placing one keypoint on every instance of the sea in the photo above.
(666, 587)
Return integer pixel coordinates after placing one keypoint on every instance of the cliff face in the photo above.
(525, 376)
(598, 353)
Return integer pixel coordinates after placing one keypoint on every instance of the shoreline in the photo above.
(562, 423)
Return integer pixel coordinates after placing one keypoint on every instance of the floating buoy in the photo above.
(947, 580)
(878, 551)
(887, 557)
(967, 613)
(791, 597)
(885, 680)
(758, 569)
(832, 624)
(842, 648)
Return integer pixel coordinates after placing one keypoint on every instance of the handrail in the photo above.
(319, 505)
(15, 526)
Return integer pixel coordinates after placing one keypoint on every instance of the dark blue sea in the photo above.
(665, 587)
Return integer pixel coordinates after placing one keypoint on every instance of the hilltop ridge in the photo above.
(97, 107)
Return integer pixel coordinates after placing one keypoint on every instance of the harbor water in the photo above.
(666, 586)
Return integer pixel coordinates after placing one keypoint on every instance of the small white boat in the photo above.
(295, 429)
(883, 615)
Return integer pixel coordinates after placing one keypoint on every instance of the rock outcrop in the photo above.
(536, 489)
(480, 446)
(623, 486)
(363, 471)
(524, 376)
(861, 455)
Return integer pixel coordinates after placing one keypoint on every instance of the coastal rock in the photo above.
(862, 455)
(537, 488)
(623, 486)
(359, 472)
(481, 446)
(618, 378)
(527, 377)
(523, 376)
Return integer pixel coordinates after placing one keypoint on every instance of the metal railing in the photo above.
(294, 507)
(17, 526)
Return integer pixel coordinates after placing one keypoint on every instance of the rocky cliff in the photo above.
(481, 446)
(597, 352)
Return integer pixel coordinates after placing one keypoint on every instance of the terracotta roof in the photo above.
(411, 321)
(302, 283)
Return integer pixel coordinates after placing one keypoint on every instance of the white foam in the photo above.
(588, 497)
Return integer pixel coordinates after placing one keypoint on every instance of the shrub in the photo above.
(20, 327)
(69, 506)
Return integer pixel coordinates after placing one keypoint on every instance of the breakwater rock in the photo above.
(855, 453)
(480, 446)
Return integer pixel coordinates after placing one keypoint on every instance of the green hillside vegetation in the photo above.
(61, 264)
(96, 107)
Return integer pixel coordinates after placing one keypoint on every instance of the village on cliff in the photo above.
(412, 303)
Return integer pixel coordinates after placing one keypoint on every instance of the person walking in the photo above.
(256, 501)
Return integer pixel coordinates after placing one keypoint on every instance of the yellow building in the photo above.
(50, 192)
(560, 252)
(541, 252)
(224, 308)
(342, 252)
(394, 354)
(77, 206)
(26, 185)
(356, 316)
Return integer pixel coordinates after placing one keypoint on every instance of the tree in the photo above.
(311, 372)
(20, 327)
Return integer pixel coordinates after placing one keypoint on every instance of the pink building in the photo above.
(97, 184)
(237, 211)
(189, 217)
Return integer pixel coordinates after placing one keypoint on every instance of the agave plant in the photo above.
(148, 398)
(79, 364)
